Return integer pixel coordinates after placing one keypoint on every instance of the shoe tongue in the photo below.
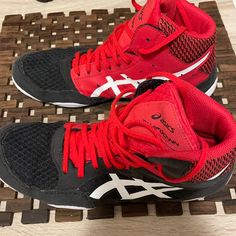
(164, 113)
(150, 13)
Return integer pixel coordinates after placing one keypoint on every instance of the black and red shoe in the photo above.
(171, 142)
(171, 35)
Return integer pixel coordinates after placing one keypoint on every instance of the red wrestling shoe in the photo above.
(172, 36)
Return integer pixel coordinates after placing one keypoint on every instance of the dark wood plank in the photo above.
(230, 206)
(35, 216)
(169, 208)
(202, 208)
(133, 209)
(7, 193)
(101, 212)
(64, 215)
(18, 205)
(6, 218)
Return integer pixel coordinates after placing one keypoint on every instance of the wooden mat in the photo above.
(33, 32)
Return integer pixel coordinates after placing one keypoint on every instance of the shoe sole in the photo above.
(209, 92)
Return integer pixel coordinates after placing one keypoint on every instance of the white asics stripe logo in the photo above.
(121, 184)
(218, 174)
(114, 84)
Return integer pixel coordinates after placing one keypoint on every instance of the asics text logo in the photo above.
(157, 116)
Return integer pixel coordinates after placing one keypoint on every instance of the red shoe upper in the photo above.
(172, 36)
(175, 121)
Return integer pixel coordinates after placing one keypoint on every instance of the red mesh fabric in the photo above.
(214, 166)
(210, 64)
(166, 27)
(186, 47)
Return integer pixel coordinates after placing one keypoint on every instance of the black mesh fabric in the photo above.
(27, 152)
(186, 47)
(43, 68)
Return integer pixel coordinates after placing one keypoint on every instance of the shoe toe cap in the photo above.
(42, 70)
(25, 155)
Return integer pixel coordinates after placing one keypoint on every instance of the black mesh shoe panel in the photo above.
(43, 68)
(27, 152)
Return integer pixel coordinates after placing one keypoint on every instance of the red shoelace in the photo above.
(111, 50)
(107, 140)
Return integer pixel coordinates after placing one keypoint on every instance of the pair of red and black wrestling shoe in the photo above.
(171, 141)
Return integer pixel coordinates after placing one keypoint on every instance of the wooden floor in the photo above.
(210, 225)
